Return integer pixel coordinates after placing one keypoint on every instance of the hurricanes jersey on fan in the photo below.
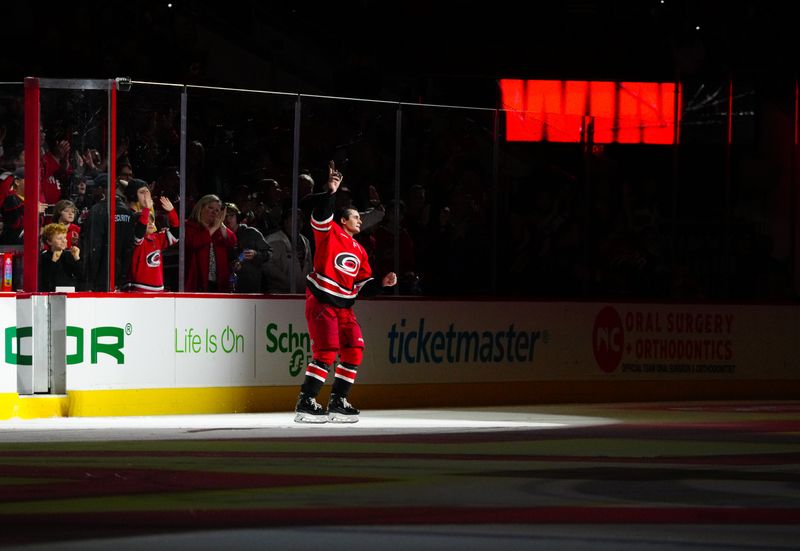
(341, 267)
(147, 273)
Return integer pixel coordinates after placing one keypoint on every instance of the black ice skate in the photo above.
(308, 410)
(341, 411)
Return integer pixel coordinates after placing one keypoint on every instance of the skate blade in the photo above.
(342, 418)
(309, 418)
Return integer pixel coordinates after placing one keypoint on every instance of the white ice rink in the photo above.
(261, 425)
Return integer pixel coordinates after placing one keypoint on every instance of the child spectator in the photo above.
(57, 269)
(64, 213)
(147, 271)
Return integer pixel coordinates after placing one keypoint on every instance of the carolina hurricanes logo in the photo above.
(347, 263)
(153, 259)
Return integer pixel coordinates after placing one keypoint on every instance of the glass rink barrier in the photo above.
(570, 189)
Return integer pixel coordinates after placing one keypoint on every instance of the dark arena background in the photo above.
(592, 210)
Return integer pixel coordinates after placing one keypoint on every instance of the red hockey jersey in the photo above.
(50, 190)
(147, 273)
(341, 266)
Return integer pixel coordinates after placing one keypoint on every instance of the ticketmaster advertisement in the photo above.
(174, 341)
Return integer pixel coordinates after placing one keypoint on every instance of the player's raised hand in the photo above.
(334, 177)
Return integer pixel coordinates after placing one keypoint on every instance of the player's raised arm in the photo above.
(334, 177)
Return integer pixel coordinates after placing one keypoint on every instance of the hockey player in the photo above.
(341, 271)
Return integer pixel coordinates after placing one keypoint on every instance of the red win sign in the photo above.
(592, 111)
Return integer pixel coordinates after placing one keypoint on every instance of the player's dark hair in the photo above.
(344, 213)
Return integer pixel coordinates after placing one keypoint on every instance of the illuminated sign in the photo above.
(592, 111)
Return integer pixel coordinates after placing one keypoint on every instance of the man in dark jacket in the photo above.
(251, 253)
(94, 236)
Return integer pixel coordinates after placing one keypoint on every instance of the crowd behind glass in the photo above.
(447, 204)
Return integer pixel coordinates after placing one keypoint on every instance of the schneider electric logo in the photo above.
(108, 340)
(297, 344)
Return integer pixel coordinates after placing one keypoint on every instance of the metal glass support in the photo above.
(41, 342)
(495, 200)
(111, 192)
(398, 148)
(296, 176)
(32, 177)
(57, 358)
(182, 202)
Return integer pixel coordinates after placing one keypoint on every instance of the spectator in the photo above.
(94, 238)
(57, 269)
(370, 217)
(389, 231)
(124, 171)
(95, 192)
(168, 185)
(147, 271)
(305, 189)
(137, 193)
(439, 267)
(268, 206)
(56, 168)
(88, 164)
(209, 247)
(305, 184)
(244, 199)
(251, 253)
(278, 269)
(64, 213)
(81, 197)
(196, 172)
(12, 161)
(12, 210)
(417, 215)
